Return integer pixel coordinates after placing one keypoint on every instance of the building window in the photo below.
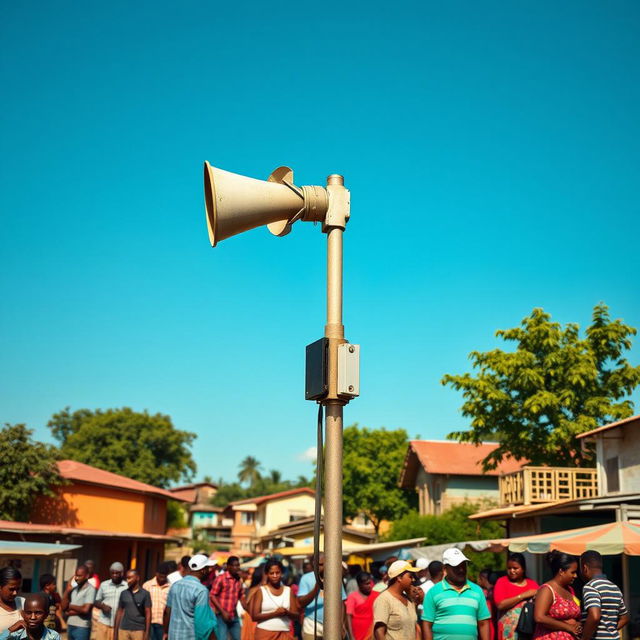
(612, 470)
(247, 517)
(296, 515)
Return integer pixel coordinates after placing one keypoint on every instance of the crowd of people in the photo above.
(199, 600)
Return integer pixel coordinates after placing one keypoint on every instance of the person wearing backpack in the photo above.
(133, 620)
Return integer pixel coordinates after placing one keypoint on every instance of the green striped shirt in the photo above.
(455, 614)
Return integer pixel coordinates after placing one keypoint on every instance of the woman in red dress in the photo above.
(557, 610)
(359, 607)
(510, 593)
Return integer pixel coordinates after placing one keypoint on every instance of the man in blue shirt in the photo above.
(188, 615)
(34, 613)
(312, 599)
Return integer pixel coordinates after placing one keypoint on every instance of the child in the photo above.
(34, 613)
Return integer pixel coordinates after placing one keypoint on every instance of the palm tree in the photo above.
(249, 471)
(275, 476)
(303, 481)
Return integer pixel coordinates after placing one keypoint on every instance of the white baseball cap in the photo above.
(200, 561)
(453, 557)
(400, 566)
(422, 563)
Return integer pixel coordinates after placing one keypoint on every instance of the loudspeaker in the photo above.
(235, 203)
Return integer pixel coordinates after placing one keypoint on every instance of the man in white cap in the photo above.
(188, 615)
(107, 601)
(455, 607)
(394, 612)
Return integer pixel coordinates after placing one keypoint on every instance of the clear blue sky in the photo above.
(492, 150)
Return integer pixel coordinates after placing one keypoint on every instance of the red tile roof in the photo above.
(79, 472)
(29, 527)
(275, 496)
(453, 458)
(611, 425)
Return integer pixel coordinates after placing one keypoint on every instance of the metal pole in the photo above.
(334, 331)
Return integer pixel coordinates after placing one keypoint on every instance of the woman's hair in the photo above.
(363, 577)
(256, 578)
(7, 574)
(272, 562)
(45, 579)
(519, 558)
(558, 560)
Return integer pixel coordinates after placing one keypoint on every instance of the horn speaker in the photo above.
(235, 203)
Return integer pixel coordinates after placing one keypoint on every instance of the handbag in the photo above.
(526, 622)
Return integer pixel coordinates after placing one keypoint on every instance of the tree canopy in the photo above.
(28, 470)
(135, 444)
(535, 400)
(371, 468)
(249, 471)
(259, 486)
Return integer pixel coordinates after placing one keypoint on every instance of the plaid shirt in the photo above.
(158, 599)
(191, 615)
(228, 591)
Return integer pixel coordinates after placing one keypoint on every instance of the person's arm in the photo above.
(379, 630)
(484, 629)
(256, 606)
(427, 629)
(504, 602)
(544, 600)
(349, 615)
(116, 625)
(147, 622)
(305, 599)
(623, 621)
(213, 599)
(66, 596)
(380, 617)
(85, 608)
(100, 603)
(507, 603)
(591, 622)
(166, 617)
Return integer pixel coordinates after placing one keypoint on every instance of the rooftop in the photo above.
(275, 496)
(28, 527)
(611, 425)
(452, 458)
(80, 472)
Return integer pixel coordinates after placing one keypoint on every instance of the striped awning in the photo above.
(609, 539)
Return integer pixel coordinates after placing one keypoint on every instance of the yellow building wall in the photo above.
(274, 513)
(84, 506)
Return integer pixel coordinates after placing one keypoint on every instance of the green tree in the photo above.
(176, 515)
(452, 526)
(137, 445)
(229, 492)
(371, 467)
(535, 400)
(249, 471)
(28, 470)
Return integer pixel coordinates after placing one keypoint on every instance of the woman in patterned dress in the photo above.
(510, 593)
(557, 610)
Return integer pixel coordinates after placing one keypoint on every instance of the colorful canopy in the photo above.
(609, 539)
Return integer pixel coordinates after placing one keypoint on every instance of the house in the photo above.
(617, 448)
(298, 534)
(445, 473)
(254, 518)
(196, 493)
(205, 520)
(546, 499)
(112, 517)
